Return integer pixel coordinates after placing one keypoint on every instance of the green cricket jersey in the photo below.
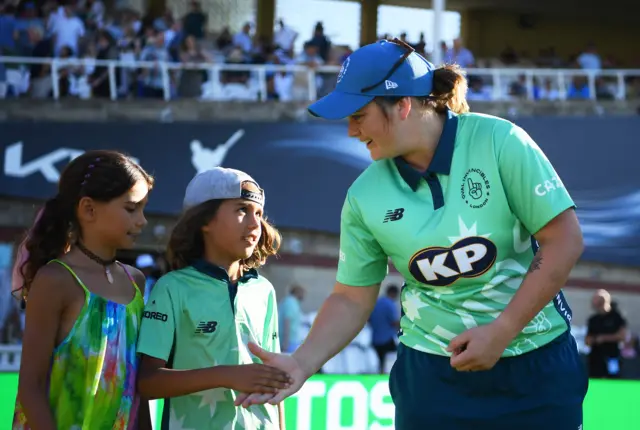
(196, 318)
(460, 234)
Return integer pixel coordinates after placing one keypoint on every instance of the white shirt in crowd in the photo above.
(67, 32)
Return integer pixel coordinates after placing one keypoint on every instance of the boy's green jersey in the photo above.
(195, 318)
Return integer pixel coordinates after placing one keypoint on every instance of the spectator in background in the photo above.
(630, 347)
(174, 34)
(606, 329)
(154, 51)
(605, 90)
(285, 38)
(40, 79)
(589, 59)
(164, 22)
(548, 58)
(321, 41)
(65, 72)
(477, 90)
(13, 327)
(174, 39)
(129, 48)
(225, 40)
(191, 80)
(280, 83)
(443, 50)
(243, 39)
(147, 266)
(99, 79)
(93, 15)
(548, 92)
(28, 19)
(310, 56)
(195, 22)
(7, 254)
(290, 319)
(67, 30)
(579, 88)
(518, 88)
(385, 323)
(8, 29)
(459, 55)
(509, 56)
(262, 49)
(421, 46)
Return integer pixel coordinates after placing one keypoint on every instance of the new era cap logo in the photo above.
(343, 69)
(390, 85)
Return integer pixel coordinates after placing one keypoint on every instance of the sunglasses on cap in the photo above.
(408, 51)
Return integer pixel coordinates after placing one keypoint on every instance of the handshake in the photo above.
(277, 378)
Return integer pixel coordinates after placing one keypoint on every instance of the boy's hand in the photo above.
(255, 378)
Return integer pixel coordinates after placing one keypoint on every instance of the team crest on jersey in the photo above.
(440, 267)
(475, 188)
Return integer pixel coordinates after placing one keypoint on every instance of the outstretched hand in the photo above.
(287, 364)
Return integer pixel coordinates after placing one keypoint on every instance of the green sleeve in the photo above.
(157, 331)
(271, 337)
(534, 190)
(362, 261)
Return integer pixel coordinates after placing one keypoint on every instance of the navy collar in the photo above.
(219, 273)
(441, 162)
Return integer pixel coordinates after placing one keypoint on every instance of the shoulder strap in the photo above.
(66, 266)
(133, 281)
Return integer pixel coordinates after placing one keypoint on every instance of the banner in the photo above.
(362, 402)
(306, 168)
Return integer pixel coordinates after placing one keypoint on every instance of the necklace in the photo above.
(100, 261)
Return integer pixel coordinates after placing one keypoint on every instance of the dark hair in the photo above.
(449, 92)
(101, 175)
(186, 243)
(393, 290)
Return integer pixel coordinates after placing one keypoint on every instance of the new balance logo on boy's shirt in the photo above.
(206, 327)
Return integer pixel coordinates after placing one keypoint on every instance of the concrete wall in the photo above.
(73, 110)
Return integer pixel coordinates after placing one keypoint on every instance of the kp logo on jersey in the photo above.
(467, 258)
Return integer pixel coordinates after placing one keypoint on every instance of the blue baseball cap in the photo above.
(367, 67)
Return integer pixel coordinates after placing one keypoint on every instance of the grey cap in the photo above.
(220, 183)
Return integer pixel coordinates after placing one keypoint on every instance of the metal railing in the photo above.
(497, 80)
(10, 356)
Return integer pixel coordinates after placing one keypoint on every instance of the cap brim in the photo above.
(337, 105)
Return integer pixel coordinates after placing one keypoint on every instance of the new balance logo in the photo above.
(206, 327)
(390, 85)
(393, 215)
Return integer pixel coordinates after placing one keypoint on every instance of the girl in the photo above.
(459, 202)
(201, 316)
(83, 307)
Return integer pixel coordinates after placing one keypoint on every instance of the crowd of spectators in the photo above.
(84, 29)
